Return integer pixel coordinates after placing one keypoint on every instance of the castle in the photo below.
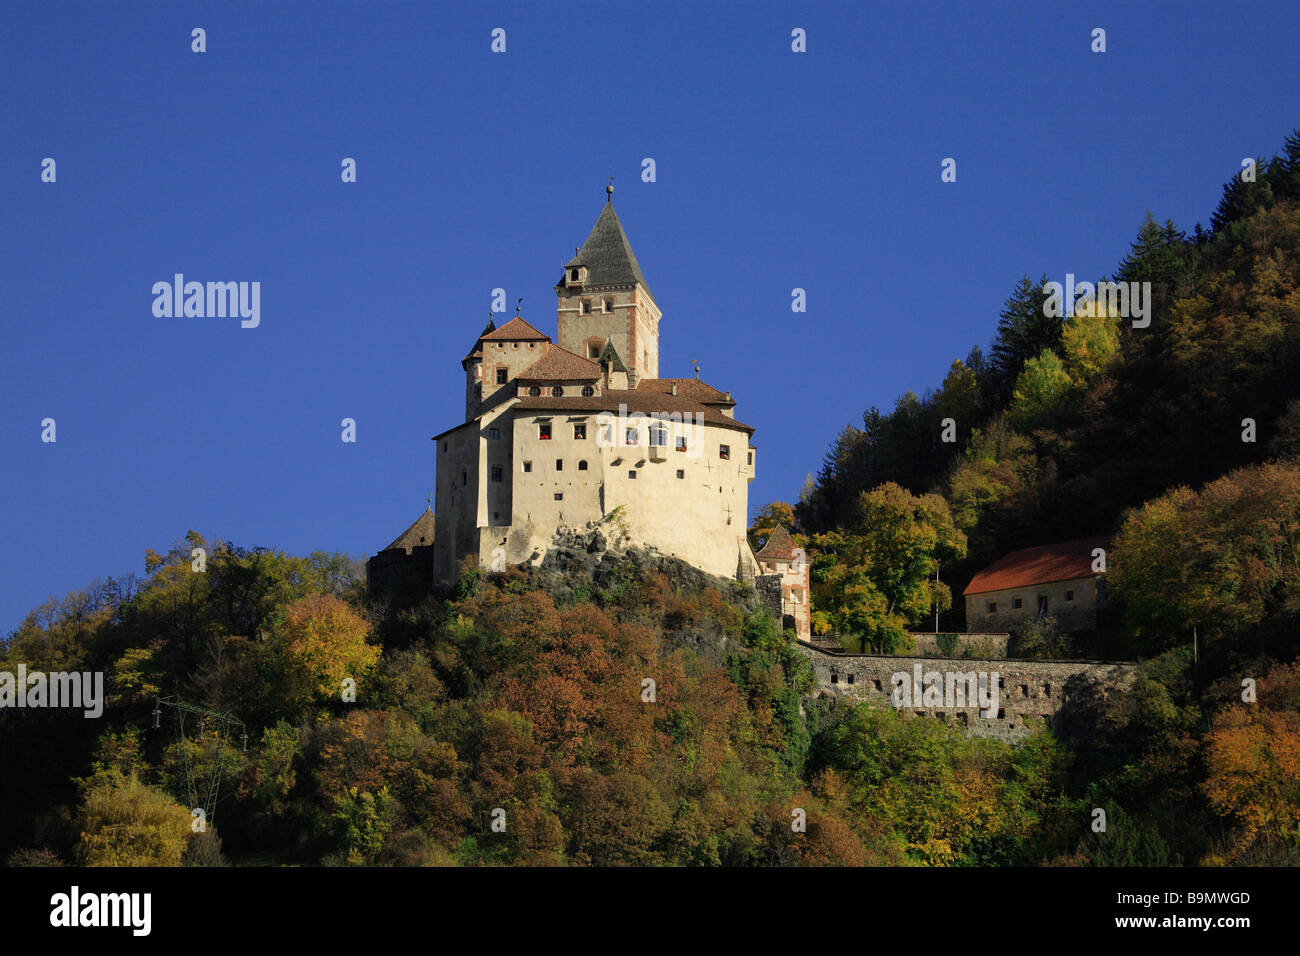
(580, 430)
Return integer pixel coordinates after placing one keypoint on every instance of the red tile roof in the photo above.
(1067, 561)
(559, 365)
(779, 546)
(691, 388)
(516, 330)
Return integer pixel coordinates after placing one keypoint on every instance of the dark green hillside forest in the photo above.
(524, 698)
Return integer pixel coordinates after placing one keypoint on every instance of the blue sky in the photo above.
(477, 170)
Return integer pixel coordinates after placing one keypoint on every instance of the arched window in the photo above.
(557, 392)
(582, 465)
(535, 390)
(573, 275)
(588, 391)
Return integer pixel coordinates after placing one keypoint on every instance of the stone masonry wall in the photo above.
(1030, 692)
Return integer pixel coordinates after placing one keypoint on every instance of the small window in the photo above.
(724, 452)
(631, 474)
(1069, 595)
(851, 676)
(559, 496)
(494, 433)
(528, 466)
(544, 431)
(1017, 604)
(593, 350)
(557, 392)
(588, 391)
(993, 607)
(464, 478)
(534, 390)
(496, 472)
(573, 275)
(609, 305)
(580, 431)
(559, 464)
(582, 465)
(835, 678)
(750, 458)
(586, 307)
(501, 376)
(658, 437)
(681, 473)
(630, 437)
(681, 442)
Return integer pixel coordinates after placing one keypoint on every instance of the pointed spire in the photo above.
(607, 254)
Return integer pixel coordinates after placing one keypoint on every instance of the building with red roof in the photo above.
(1063, 581)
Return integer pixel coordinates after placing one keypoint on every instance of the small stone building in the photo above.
(1053, 580)
(786, 566)
(403, 571)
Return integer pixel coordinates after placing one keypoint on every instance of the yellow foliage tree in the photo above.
(128, 823)
(318, 642)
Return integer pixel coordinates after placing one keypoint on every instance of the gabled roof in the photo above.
(607, 254)
(779, 547)
(609, 356)
(691, 388)
(516, 330)
(418, 535)
(1067, 561)
(561, 365)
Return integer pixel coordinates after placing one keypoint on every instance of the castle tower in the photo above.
(604, 297)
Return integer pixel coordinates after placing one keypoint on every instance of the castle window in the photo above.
(681, 442)
(580, 431)
(534, 390)
(993, 607)
(588, 391)
(501, 376)
(593, 350)
(496, 472)
(1017, 604)
(724, 452)
(559, 464)
(609, 305)
(751, 458)
(528, 466)
(586, 307)
(658, 437)
(582, 465)
(851, 678)
(544, 431)
(559, 496)
(464, 478)
(631, 474)
(494, 433)
(1069, 595)
(573, 275)
(681, 473)
(835, 678)
(557, 392)
(630, 437)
